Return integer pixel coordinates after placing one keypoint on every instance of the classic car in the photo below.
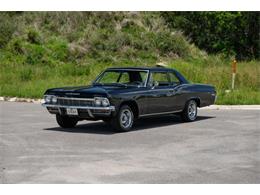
(119, 96)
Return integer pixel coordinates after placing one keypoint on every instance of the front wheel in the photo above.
(190, 111)
(66, 121)
(124, 120)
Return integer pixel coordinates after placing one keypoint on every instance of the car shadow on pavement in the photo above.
(162, 121)
(141, 124)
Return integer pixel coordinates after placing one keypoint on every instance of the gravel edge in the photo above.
(16, 99)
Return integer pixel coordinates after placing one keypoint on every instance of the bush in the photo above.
(33, 36)
(58, 49)
(34, 54)
(16, 45)
(172, 44)
(7, 28)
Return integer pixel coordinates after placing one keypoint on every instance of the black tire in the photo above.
(190, 111)
(66, 121)
(118, 121)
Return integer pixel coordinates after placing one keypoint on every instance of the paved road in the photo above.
(223, 146)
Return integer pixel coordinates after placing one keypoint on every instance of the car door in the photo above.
(177, 98)
(159, 97)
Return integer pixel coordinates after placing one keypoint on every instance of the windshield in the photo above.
(123, 77)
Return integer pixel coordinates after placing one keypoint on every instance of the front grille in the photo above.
(83, 113)
(74, 102)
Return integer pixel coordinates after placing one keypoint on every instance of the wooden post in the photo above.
(234, 71)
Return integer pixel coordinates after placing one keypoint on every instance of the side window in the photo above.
(174, 79)
(160, 78)
(124, 78)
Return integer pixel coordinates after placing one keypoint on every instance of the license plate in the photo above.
(72, 111)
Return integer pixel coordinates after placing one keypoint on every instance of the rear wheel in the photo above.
(190, 111)
(124, 120)
(66, 121)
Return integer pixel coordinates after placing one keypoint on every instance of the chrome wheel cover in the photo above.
(126, 118)
(192, 110)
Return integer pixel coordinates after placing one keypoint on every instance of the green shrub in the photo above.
(7, 28)
(58, 49)
(26, 74)
(16, 45)
(172, 43)
(34, 54)
(33, 36)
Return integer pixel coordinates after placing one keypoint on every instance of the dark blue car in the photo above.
(119, 96)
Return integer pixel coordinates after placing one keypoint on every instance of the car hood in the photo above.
(87, 91)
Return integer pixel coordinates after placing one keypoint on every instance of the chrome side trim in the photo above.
(160, 113)
(111, 108)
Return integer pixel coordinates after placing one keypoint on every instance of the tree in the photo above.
(232, 33)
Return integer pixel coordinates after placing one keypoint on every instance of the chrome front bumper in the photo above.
(90, 109)
(111, 108)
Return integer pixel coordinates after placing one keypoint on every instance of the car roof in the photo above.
(152, 68)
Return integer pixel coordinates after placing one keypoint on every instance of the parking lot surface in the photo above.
(222, 146)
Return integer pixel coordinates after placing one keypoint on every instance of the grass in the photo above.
(66, 49)
(28, 81)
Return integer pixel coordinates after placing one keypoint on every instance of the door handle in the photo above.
(170, 92)
(155, 95)
(173, 91)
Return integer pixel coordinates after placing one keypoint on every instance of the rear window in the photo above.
(160, 77)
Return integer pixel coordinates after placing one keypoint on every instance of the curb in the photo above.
(231, 107)
(16, 99)
(212, 107)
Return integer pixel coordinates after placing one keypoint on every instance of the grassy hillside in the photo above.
(42, 50)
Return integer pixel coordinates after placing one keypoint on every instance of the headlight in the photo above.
(100, 101)
(105, 102)
(47, 98)
(54, 99)
(50, 99)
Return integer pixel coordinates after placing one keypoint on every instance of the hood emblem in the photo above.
(72, 93)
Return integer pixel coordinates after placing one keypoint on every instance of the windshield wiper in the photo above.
(98, 84)
(113, 84)
(121, 84)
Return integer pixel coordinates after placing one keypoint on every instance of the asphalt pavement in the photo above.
(222, 146)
